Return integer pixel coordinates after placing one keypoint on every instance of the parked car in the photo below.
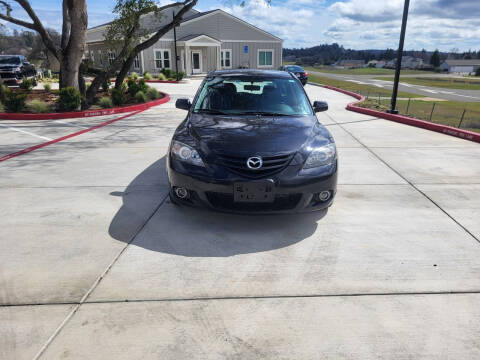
(15, 68)
(298, 71)
(251, 143)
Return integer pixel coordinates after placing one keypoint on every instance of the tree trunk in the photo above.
(127, 64)
(73, 52)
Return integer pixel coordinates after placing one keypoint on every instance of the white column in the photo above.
(188, 61)
(219, 61)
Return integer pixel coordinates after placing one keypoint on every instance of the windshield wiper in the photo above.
(210, 111)
(265, 113)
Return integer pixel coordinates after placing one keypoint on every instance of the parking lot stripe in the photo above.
(54, 141)
(25, 132)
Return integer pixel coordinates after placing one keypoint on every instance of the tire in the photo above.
(172, 199)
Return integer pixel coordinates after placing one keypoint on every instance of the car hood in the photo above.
(252, 134)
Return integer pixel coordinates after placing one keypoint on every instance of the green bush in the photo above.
(106, 85)
(2, 109)
(140, 97)
(15, 102)
(181, 75)
(47, 87)
(38, 106)
(136, 86)
(69, 99)
(161, 76)
(105, 102)
(167, 72)
(152, 93)
(147, 76)
(118, 95)
(3, 94)
(134, 75)
(27, 84)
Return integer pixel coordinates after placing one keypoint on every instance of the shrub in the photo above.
(140, 97)
(161, 76)
(27, 84)
(47, 87)
(38, 106)
(142, 85)
(2, 109)
(171, 79)
(118, 95)
(167, 72)
(69, 99)
(152, 93)
(181, 75)
(147, 76)
(133, 87)
(106, 85)
(15, 102)
(105, 102)
(134, 75)
(3, 93)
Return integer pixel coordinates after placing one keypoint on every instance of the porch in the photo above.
(199, 54)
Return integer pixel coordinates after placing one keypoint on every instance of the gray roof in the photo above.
(193, 36)
(472, 62)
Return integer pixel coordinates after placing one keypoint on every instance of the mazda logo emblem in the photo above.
(254, 162)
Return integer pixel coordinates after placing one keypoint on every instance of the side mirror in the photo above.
(319, 106)
(183, 104)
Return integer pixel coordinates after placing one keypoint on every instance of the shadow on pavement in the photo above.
(195, 232)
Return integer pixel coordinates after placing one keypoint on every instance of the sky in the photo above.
(356, 24)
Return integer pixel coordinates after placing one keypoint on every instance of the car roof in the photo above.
(251, 72)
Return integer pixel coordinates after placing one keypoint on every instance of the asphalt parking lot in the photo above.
(95, 262)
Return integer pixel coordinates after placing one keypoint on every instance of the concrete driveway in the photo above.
(96, 263)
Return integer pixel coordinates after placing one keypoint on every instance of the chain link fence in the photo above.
(456, 114)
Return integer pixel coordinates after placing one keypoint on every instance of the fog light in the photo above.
(324, 196)
(181, 192)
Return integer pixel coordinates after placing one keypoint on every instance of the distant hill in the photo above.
(328, 54)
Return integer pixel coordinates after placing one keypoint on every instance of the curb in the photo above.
(163, 81)
(86, 113)
(444, 129)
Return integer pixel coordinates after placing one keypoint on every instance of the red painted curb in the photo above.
(87, 113)
(444, 129)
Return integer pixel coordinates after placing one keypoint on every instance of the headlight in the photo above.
(321, 156)
(186, 153)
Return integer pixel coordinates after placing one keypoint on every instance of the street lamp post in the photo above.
(393, 109)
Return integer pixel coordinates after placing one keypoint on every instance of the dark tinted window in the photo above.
(15, 60)
(245, 95)
(294, 68)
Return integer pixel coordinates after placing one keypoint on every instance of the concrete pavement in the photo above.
(392, 270)
(431, 92)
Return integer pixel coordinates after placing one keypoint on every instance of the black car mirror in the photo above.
(319, 106)
(183, 104)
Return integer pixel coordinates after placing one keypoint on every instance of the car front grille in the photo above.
(225, 202)
(271, 165)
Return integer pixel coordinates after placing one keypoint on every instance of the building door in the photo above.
(196, 62)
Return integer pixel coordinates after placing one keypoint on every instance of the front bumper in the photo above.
(292, 195)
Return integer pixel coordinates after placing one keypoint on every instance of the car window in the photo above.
(293, 68)
(15, 60)
(249, 95)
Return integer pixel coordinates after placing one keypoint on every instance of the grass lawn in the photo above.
(361, 71)
(358, 88)
(448, 83)
(445, 112)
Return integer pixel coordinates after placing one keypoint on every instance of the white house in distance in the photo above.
(461, 66)
(206, 41)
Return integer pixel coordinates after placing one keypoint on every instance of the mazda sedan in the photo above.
(251, 143)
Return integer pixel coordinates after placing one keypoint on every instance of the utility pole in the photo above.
(393, 109)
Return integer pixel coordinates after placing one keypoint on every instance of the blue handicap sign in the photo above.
(245, 49)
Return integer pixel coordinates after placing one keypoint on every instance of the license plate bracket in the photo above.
(255, 191)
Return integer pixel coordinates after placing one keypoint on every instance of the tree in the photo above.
(435, 59)
(70, 51)
(126, 35)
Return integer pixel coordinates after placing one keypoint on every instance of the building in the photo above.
(410, 62)
(350, 64)
(206, 41)
(461, 66)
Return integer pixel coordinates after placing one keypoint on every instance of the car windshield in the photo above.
(293, 68)
(253, 95)
(15, 60)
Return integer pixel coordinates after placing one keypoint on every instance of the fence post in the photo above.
(408, 106)
(379, 99)
(461, 120)
(431, 114)
(368, 92)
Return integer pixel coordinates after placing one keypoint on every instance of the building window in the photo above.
(162, 58)
(226, 59)
(136, 62)
(111, 57)
(92, 57)
(265, 58)
(100, 57)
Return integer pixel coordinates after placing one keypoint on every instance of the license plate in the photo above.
(262, 191)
